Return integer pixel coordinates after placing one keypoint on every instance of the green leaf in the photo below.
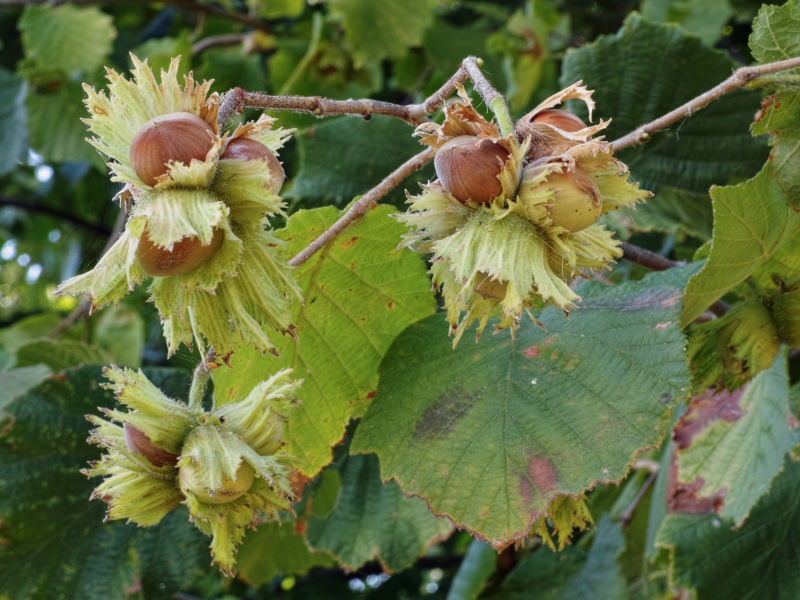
(120, 332)
(159, 52)
(346, 157)
(648, 69)
(360, 292)
(474, 571)
(751, 222)
(56, 544)
(16, 382)
(372, 520)
(780, 117)
(27, 329)
(757, 561)
(573, 574)
(56, 130)
(229, 68)
(276, 548)
(13, 116)
(386, 29)
(490, 433)
(277, 9)
(67, 38)
(739, 457)
(776, 32)
(60, 355)
(704, 18)
(673, 210)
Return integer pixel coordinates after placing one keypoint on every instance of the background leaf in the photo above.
(780, 117)
(13, 116)
(646, 70)
(489, 434)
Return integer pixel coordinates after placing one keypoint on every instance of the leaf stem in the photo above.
(200, 380)
(740, 78)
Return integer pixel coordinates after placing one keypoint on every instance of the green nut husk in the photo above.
(246, 282)
(729, 351)
(509, 254)
(786, 311)
(229, 467)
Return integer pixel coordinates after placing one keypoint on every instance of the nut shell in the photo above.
(138, 442)
(179, 137)
(560, 119)
(231, 489)
(468, 168)
(577, 203)
(185, 255)
(247, 149)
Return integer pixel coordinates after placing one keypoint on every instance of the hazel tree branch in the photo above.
(361, 206)
(57, 214)
(225, 39)
(740, 78)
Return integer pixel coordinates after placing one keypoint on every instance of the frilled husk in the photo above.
(729, 351)
(215, 444)
(246, 284)
(564, 515)
(511, 243)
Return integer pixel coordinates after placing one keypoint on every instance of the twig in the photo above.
(85, 307)
(656, 262)
(200, 380)
(494, 99)
(627, 515)
(237, 99)
(740, 78)
(360, 206)
(183, 4)
(227, 39)
(646, 258)
(58, 214)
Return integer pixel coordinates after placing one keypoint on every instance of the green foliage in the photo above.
(646, 70)
(12, 120)
(360, 292)
(740, 456)
(710, 556)
(479, 563)
(372, 520)
(490, 434)
(704, 18)
(751, 222)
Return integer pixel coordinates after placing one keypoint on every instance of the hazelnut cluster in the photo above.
(510, 220)
(198, 206)
(226, 465)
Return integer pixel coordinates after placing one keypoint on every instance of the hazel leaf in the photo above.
(13, 116)
(776, 32)
(360, 292)
(751, 223)
(490, 433)
(644, 71)
(740, 452)
(386, 29)
(780, 117)
(372, 520)
(719, 562)
(67, 38)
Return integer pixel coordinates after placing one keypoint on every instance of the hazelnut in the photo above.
(185, 255)
(247, 149)
(469, 168)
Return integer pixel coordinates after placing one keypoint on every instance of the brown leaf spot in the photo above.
(441, 417)
(554, 355)
(371, 395)
(531, 352)
(683, 498)
(548, 341)
(543, 475)
(349, 243)
(703, 410)
(390, 304)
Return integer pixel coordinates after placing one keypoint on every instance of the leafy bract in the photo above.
(13, 116)
(648, 69)
(373, 520)
(756, 561)
(573, 574)
(71, 554)
(360, 292)
(67, 38)
(490, 433)
(780, 117)
(386, 29)
(751, 222)
(346, 157)
(740, 457)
